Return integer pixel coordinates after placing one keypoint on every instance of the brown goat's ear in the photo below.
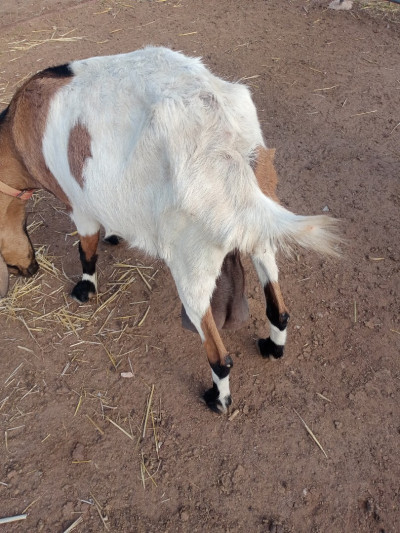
(3, 277)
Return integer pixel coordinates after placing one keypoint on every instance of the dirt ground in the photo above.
(82, 445)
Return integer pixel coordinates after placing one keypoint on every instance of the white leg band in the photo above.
(277, 336)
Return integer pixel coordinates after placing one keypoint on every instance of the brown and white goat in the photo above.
(159, 151)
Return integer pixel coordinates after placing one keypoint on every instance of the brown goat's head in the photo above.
(16, 250)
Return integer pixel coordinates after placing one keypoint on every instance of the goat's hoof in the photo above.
(268, 348)
(214, 402)
(83, 290)
(112, 239)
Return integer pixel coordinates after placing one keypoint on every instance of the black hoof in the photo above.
(268, 348)
(83, 290)
(112, 239)
(211, 397)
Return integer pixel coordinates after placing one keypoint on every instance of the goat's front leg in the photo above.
(276, 311)
(87, 286)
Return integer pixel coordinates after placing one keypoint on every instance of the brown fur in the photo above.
(23, 167)
(3, 277)
(29, 109)
(216, 351)
(15, 245)
(265, 172)
(273, 294)
(78, 151)
(89, 245)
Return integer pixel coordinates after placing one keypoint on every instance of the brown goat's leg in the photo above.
(276, 310)
(87, 286)
(218, 398)
(15, 244)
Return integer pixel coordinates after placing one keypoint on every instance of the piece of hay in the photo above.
(9, 519)
(311, 434)
(74, 524)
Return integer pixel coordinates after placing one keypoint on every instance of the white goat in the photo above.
(159, 151)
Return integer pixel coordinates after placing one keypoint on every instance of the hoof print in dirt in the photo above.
(211, 397)
(268, 349)
(112, 239)
(83, 290)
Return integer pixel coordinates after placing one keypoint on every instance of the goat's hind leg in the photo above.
(195, 277)
(218, 398)
(276, 311)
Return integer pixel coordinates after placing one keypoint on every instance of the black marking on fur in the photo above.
(88, 266)
(59, 71)
(280, 321)
(82, 290)
(268, 348)
(112, 239)
(223, 370)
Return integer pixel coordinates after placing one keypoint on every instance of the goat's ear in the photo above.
(3, 277)
(271, 153)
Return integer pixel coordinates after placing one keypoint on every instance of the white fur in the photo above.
(276, 335)
(170, 169)
(266, 267)
(223, 387)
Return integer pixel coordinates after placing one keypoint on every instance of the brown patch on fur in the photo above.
(78, 151)
(28, 114)
(229, 304)
(265, 172)
(273, 294)
(89, 245)
(213, 344)
(22, 163)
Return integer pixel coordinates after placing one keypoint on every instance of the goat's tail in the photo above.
(284, 229)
